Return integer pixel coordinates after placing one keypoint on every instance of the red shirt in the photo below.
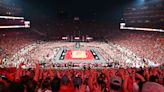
(66, 88)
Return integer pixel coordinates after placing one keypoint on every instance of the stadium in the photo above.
(81, 46)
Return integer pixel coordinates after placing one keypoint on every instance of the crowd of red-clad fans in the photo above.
(12, 41)
(87, 80)
(82, 80)
(145, 44)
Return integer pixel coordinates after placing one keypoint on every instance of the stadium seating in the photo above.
(22, 47)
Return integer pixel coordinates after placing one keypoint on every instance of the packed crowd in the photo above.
(116, 54)
(83, 80)
(119, 55)
(145, 44)
(12, 41)
(36, 79)
(46, 53)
